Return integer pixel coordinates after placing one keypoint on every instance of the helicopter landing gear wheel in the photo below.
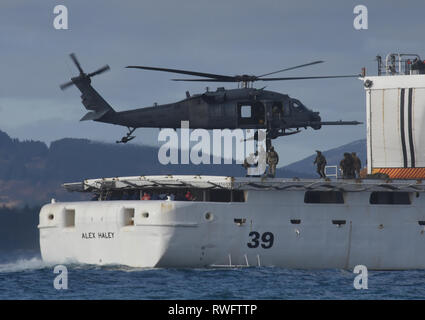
(128, 137)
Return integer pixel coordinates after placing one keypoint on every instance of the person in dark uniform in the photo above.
(346, 166)
(320, 162)
(272, 161)
(357, 165)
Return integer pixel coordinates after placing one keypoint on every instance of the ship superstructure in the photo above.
(395, 109)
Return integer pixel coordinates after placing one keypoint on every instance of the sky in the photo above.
(225, 37)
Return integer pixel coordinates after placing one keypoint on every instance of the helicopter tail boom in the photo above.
(93, 101)
(90, 98)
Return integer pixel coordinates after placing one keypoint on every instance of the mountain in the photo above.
(32, 173)
(333, 157)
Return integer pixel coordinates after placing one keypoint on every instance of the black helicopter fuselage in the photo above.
(244, 108)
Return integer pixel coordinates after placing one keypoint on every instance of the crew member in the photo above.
(189, 196)
(277, 112)
(146, 196)
(357, 164)
(346, 166)
(272, 161)
(320, 162)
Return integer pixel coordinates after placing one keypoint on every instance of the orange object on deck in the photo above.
(402, 173)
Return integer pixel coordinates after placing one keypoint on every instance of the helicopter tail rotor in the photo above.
(82, 75)
(99, 109)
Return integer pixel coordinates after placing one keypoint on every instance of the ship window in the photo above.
(323, 197)
(69, 218)
(220, 196)
(128, 217)
(388, 197)
(226, 196)
(238, 196)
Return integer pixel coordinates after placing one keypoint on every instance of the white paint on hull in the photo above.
(177, 233)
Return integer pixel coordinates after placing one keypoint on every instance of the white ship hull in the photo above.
(272, 228)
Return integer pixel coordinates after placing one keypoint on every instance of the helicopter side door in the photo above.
(251, 114)
(198, 113)
(222, 115)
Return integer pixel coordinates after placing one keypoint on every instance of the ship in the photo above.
(174, 221)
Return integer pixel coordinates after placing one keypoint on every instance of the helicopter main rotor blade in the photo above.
(269, 79)
(292, 68)
(210, 77)
(207, 80)
(192, 73)
(305, 78)
(74, 58)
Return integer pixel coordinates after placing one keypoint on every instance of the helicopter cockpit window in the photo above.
(286, 109)
(246, 112)
(277, 110)
(297, 105)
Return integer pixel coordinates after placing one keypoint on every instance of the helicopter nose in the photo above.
(316, 119)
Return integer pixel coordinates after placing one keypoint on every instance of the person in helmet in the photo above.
(320, 162)
(272, 161)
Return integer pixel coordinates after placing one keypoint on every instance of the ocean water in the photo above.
(26, 276)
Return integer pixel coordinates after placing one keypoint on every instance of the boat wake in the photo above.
(23, 264)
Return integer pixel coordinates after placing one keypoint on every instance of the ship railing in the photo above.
(333, 173)
(243, 183)
(396, 63)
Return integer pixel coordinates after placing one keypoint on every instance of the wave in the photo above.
(23, 264)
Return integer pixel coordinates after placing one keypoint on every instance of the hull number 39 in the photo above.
(266, 240)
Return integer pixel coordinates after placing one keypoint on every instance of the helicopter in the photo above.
(244, 107)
